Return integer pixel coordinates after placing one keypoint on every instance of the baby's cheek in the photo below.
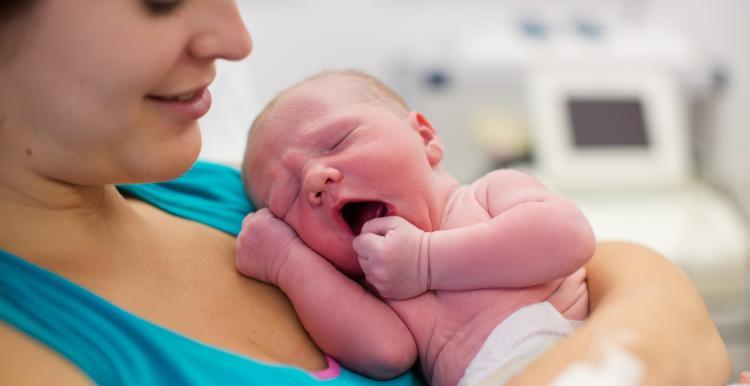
(341, 254)
(349, 264)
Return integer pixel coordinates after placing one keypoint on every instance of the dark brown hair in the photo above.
(12, 8)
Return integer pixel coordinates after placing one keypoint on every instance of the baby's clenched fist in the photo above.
(264, 245)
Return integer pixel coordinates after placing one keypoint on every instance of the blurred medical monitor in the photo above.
(607, 122)
(609, 129)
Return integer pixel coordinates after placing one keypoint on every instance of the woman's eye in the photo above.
(161, 7)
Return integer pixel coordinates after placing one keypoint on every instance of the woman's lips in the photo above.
(191, 106)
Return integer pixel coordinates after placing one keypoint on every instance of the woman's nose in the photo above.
(222, 33)
(317, 179)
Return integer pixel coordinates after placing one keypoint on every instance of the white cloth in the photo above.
(616, 368)
(515, 342)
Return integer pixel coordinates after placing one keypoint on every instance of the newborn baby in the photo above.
(387, 258)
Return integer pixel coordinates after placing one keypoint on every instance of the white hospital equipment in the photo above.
(617, 142)
(609, 120)
(605, 129)
(640, 183)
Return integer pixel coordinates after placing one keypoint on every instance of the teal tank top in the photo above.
(115, 347)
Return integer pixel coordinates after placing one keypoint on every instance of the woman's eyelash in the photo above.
(162, 7)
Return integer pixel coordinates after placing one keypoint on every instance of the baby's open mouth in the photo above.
(356, 214)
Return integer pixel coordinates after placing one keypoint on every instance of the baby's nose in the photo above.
(317, 179)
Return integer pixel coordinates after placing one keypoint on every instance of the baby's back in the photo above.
(451, 326)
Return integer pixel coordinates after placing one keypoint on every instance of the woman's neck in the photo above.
(35, 183)
(38, 212)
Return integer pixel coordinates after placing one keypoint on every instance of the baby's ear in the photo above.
(433, 145)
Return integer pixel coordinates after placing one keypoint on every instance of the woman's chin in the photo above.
(164, 166)
(181, 157)
(176, 167)
(176, 171)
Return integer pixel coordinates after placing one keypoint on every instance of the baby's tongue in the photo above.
(366, 211)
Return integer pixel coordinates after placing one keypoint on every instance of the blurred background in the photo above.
(637, 110)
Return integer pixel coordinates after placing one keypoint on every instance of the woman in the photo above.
(98, 93)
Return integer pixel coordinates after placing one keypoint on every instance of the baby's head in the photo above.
(336, 150)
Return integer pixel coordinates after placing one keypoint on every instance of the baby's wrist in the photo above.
(283, 265)
(424, 269)
(295, 266)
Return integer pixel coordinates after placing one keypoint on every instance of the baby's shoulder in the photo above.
(502, 181)
(506, 177)
(465, 206)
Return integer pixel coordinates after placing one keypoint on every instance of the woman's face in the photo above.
(110, 91)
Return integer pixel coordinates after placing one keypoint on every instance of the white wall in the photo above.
(295, 38)
(722, 29)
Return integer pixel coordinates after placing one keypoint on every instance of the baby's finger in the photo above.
(259, 216)
(382, 225)
(367, 244)
(264, 213)
(247, 218)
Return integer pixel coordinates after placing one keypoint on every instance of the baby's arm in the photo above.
(533, 237)
(344, 320)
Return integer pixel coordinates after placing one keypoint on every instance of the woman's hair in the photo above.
(12, 8)
(9, 10)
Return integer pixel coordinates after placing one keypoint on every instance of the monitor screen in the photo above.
(607, 122)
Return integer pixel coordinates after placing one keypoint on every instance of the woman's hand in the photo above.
(643, 305)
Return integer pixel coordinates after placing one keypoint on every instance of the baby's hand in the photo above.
(393, 255)
(264, 245)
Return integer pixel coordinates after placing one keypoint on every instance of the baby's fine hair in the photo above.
(370, 87)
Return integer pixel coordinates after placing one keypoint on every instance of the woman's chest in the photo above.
(186, 282)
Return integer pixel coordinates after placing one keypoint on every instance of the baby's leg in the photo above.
(744, 378)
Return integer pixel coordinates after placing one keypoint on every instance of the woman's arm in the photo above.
(644, 305)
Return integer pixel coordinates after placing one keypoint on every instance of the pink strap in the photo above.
(333, 370)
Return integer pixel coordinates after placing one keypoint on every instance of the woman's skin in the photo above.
(72, 129)
(648, 308)
(79, 112)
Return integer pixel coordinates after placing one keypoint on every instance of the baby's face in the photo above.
(327, 165)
